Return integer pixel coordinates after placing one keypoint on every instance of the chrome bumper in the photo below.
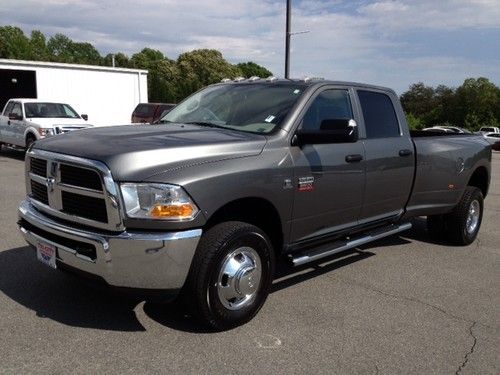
(127, 259)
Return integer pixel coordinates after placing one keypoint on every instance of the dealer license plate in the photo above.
(46, 254)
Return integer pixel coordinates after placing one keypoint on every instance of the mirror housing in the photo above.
(15, 116)
(330, 131)
(85, 117)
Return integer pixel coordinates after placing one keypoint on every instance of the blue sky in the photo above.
(388, 42)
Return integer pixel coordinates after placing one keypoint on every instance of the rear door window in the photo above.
(379, 115)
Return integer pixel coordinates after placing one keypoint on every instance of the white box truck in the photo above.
(107, 95)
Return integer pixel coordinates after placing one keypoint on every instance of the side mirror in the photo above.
(15, 116)
(85, 117)
(330, 131)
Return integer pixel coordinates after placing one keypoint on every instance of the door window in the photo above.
(379, 115)
(17, 109)
(8, 109)
(328, 105)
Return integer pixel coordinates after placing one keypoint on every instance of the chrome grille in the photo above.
(87, 207)
(80, 177)
(39, 167)
(39, 192)
(73, 189)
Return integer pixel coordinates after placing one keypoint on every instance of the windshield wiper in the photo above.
(203, 123)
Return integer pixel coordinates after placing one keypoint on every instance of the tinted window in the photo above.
(329, 105)
(145, 110)
(379, 115)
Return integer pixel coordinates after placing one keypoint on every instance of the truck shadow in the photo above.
(75, 302)
(61, 297)
(12, 153)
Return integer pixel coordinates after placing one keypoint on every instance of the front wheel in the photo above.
(30, 139)
(231, 275)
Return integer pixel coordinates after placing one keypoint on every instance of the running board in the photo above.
(327, 250)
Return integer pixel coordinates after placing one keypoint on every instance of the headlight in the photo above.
(157, 201)
(46, 132)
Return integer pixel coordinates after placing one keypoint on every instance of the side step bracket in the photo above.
(327, 250)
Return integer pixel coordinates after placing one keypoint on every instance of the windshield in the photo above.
(50, 110)
(254, 108)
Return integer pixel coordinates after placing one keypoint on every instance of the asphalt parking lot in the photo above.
(401, 305)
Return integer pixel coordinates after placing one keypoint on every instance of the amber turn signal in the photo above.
(185, 210)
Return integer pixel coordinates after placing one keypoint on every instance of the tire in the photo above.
(463, 223)
(224, 288)
(30, 139)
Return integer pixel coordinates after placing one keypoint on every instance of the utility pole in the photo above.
(287, 37)
(288, 34)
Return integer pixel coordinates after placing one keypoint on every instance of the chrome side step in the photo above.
(327, 250)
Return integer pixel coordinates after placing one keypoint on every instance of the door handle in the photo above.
(353, 158)
(8, 122)
(405, 152)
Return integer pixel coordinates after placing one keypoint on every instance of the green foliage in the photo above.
(414, 123)
(202, 67)
(474, 104)
(14, 44)
(121, 60)
(251, 69)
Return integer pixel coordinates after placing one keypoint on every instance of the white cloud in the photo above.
(439, 15)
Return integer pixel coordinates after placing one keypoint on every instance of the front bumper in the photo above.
(142, 260)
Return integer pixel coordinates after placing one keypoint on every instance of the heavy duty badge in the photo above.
(306, 183)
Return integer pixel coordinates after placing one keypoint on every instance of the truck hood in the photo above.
(48, 122)
(136, 153)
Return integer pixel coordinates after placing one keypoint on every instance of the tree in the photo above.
(478, 102)
(251, 69)
(202, 67)
(147, 58)
(419, 99)
(14, 44)
(38, 46)
(121, 60)
(60, 48)
(414, 123)
(85, 53)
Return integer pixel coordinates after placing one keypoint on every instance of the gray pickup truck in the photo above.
(241, 173)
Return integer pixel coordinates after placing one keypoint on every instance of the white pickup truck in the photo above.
(23, 121)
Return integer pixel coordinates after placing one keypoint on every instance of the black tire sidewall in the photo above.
(470, 237)
(244, 238)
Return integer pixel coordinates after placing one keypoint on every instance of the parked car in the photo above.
(448, 129)
(150, 112)
(438, 130)
(489, 129)
(242, 173)
(494, 140)
(23, 121)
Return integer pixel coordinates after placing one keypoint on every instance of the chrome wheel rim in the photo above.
(239, 278)
(473, 216)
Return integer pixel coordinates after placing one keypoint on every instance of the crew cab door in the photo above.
(9, 126)
(390, 159)
(328, 178)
